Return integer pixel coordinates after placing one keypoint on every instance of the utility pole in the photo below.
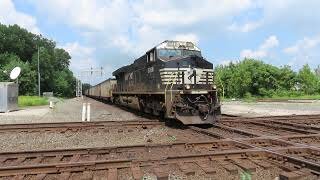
(78, 88)
(39, 93)
(90, 72)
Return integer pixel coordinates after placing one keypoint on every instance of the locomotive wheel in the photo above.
(147, 110)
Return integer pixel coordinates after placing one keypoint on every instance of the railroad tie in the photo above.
(37, 160)
(112, 174)
(93, 157)
(160, 173)
(136, 172)
(205, 166)
(40, 176)
(245, 165)
(3, 159)
(262, 163)
(75, 158)
(231, 168)
(87, 175)
(57, 158)
(293, 175)
(19, 177)
(65, 175)
(20, 160)
(186, 168)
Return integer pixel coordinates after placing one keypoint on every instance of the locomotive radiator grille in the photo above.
(175, 76)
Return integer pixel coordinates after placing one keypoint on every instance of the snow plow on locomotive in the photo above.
(172, 80)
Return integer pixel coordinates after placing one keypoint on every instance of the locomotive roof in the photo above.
(170, 44)
(121, 70)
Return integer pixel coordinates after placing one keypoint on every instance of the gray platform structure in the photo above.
(9, 92)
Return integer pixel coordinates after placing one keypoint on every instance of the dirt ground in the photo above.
(256, 109)
(67, 111)
(70, 110)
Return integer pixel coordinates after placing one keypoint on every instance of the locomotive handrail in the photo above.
(171, 80)
(172, 84)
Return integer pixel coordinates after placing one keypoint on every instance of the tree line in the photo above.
(18, 47)
(251, 77)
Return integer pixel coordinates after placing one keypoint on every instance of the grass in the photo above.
(24, 101)
(302, 97)
(275, 98)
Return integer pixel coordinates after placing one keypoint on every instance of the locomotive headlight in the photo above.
(188, 86)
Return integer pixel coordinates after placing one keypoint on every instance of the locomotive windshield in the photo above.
(177, 52)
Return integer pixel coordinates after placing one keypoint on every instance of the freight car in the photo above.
(102, 91)
(172, 80)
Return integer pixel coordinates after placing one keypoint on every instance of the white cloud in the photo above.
(9, 16)
(271, 42)
(135, 26)
(227, 62)
(304, 51)
(145, 38)
(187, 37)
(82, 56)
(263, 50)
(168, 12)
(291, 14)
(305, 44)
(90, 15)
(132, 27)
(247, 27)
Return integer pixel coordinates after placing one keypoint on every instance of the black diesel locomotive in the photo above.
(171, 80)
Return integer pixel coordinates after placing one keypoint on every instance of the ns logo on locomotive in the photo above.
(172, 80)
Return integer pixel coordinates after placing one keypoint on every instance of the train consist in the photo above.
(172, 80)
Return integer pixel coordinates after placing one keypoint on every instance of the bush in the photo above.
(252, 78)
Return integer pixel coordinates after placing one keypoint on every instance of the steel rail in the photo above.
(75, 125)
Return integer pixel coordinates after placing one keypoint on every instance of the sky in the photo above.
(112, 33)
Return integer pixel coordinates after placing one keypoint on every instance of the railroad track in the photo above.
(75, 126)
(134, 152)
(233, 156)
(250, 147)
(271, 126)
(292, 118)
(313, 139)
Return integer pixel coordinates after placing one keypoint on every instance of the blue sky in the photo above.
(111, 33)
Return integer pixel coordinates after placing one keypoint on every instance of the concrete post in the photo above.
(88, 112)
(84, 112)
(51, 104)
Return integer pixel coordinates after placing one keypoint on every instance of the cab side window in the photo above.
(151, 56)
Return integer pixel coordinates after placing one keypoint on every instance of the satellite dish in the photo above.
(15, 73)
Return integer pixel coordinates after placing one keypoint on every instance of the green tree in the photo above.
(62, 83)
(20, 47)
(85, 86)
(254, 77)
(287, 78)
(27, 77)
(308, 80)
(318, 71)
